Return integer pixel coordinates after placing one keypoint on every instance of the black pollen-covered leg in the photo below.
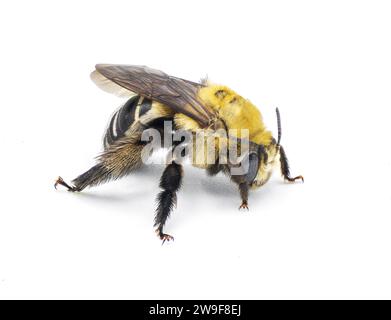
(243, 188)
(170, 182)
(285, 167)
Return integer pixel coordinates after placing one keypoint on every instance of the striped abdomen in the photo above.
(124, 117)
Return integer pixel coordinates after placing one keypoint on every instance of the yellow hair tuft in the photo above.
(237, 112)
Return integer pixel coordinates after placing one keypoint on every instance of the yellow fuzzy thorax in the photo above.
(237, 112)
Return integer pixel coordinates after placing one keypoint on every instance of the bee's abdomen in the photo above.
(124, 117)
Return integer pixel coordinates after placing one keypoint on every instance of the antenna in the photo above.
(279, 126)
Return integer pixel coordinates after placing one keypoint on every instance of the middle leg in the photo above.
(170, 182)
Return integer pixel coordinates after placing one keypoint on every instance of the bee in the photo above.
(157, 99)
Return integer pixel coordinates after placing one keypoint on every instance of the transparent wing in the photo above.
(176, 93)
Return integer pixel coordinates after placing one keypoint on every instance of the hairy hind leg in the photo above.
(118, 160)
(98, 174)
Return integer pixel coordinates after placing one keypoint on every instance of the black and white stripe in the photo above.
(124, 117)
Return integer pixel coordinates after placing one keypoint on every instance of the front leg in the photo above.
(285, 167)
(170, 182)
(243, 189)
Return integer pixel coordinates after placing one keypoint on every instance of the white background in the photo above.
(325, 64)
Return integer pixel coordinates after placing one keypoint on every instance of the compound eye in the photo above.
(252, 167)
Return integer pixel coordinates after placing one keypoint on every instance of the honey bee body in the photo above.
(224, 120)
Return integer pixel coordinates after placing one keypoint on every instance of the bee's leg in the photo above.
(60, 181)
(96, 175)
(243, 188)
(170, 182)
(285, 167)
(117, 161)
(84, 179)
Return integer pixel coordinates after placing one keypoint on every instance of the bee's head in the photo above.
(267, 155)
(257, 164)
(251, 167)
(263, 163)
